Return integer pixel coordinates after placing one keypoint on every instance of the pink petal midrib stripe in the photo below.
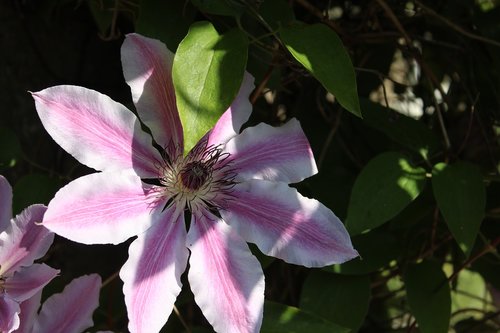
(280, 230)
(255, 152)
(213, 244)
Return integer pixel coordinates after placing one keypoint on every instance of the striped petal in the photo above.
(5, 203)
(147, 67)
(29, 313)
(70, 311)
(226, 279)
(152, 273)
(9, 313)
(272, 153)
(24, 241)
(26, 282)
(103, 208)
(229, 124)
(96, 130)
(286, 225)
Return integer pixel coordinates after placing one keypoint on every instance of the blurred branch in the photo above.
(455, 27)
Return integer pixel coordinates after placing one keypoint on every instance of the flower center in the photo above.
(204, 177)
(194, 174)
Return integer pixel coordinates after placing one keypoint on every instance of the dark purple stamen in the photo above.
(194, 175)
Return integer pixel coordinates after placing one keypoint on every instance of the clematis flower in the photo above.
(67, 312)
(21, 243)
(234, 187)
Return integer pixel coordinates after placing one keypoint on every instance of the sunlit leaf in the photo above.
(321, 52)
(386, 185)
(428, 294)
(207, 74)
(280, 318)
(338, 298)
(461, 197)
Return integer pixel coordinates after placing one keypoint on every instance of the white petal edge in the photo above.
(272, 153)
(226, 279)
(229, 124)
(96, 130)
(25, 240)
(286, 225)
(103, 208)
(151, 275)
(70, 311)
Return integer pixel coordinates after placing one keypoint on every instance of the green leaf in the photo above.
(338, 298)
(33, 189)
(10, 148)
(207, 74)
(279, 318)
(386, 185)
(461, 196)
(400, 128)
(376, 249)
(428, 295)
(220, 7)
(152, 20)
(320, 51)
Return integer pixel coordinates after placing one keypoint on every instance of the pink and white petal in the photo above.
(70, 311)
(5, 203)
(147, 67)
(229, 124)
(9, 313)
(226, 279)
(103, 208)
(96, 130)
(26, 282)
(29, 313)
(286, 225)
(25, 240)
(152, 272)
(272, 153)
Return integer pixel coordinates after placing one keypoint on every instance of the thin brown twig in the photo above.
(487, 249)
(316, 12)
(455, 27)
(329, 139)
(181, 319)
(395, 21)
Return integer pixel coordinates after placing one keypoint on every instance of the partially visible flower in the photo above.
(21, 243)
(235, 187)
(67, 312)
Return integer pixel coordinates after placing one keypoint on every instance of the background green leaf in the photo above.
(404, 130)
(280, 318)
(220, 7)
(386, 185)
(207, 74)
(376, 249)
(428, 295)
(461, 197)
(33, 189)
(10, 148)
(338, 298)
(167, 21)
(320, 51)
